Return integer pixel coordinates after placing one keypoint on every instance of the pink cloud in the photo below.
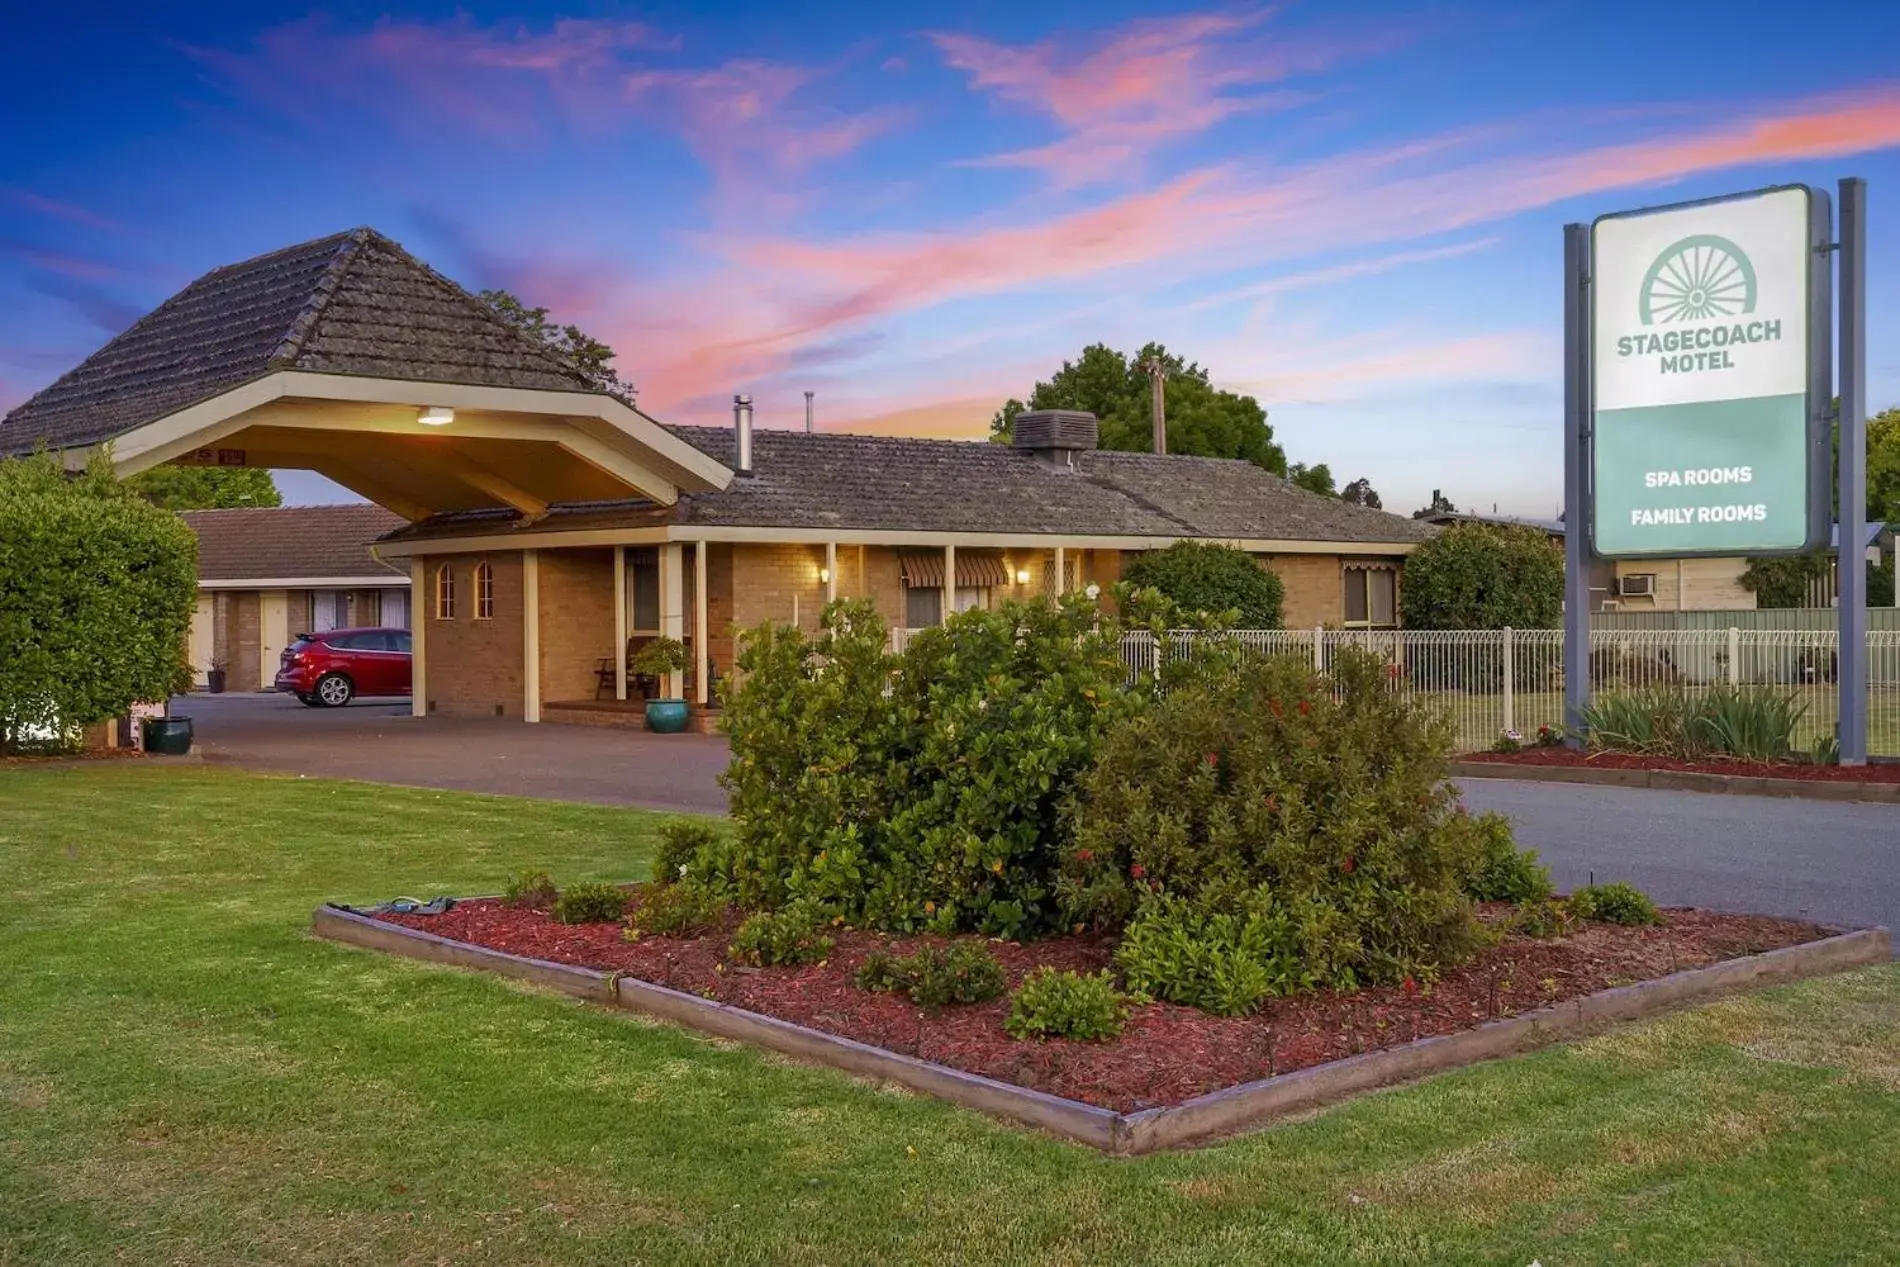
(63, 211)
(1154, 81)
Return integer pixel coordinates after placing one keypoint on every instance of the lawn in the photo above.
(185, 1076)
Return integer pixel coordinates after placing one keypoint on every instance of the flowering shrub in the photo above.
(1300, 823)
(1051, 1004)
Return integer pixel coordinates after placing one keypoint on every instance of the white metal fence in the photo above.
(1497, 680)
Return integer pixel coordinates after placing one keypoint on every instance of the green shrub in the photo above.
(97, 588)
(1227, 961)
(1212, 579)
(1505, 873)
(933, 977)
(1617, 903)
(921, 791)
(1750, 723)
(1051, 1004)
(1543, 918)
(590, 902)
(530, 888)
(681, 841)
(673, 910)
(1310, 808)
(1476, 575)
(789, 936)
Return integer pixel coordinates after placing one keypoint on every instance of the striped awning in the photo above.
(976, 569)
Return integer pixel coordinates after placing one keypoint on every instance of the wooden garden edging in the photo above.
(1193, 1121)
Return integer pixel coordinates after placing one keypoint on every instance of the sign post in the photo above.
(1576, 478)
(1852, 556)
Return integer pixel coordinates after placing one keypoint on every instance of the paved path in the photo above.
(1836, 863)
(379, 741)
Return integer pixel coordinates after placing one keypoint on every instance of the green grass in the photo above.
(186, 1076)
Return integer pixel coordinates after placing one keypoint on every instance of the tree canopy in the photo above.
(585, 353)
(206, 487)
(1361, 493)
(97, 587)
(1201, 577)
(1484, 576)
(1203, 420)
(1317, 478)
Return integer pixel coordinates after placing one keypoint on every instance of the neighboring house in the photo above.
(551, 524)
(266, 575)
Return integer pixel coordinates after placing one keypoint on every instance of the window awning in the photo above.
(976, 569)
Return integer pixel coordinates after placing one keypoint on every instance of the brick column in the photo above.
(531, 635)
(418, 653)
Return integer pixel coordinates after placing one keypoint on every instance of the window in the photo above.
(484, 591)
(444, 593)
(328, 610)
(973, 598)
(1371, 597)
(395, 609)
(643, 591)
(399, 641)
(923, 607)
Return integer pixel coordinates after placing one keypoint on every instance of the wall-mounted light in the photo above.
(436, 416)
(824, 576)
(1022, 576)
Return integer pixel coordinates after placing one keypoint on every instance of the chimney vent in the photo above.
(742, 431)
(1055, 435)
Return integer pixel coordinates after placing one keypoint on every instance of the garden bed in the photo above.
(1560, 757)
(1166, 1055)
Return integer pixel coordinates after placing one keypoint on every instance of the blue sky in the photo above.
(1351, 210)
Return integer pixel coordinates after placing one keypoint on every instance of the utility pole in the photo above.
(1158, 376)
(808, 396)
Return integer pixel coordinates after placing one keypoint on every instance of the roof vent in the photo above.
(1055, 435)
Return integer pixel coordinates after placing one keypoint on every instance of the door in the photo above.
(200, 646)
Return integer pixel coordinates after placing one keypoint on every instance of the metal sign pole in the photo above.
(1853, 472)
(1577, 511)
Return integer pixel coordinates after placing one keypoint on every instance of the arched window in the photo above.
(444, 593)
(484, 591)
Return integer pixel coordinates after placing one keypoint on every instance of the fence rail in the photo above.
(1497, 680)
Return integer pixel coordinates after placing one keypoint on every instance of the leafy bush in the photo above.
(1505, 873)
(530, 888)
(1747, 722)
(1543, 919)
(97, 588)
(1225, 961)
(590, 902)
(788, 936)
(1214, 579)
(926, 790)
(681, 841)
(1478, 575)
(1310, 807)
(1051, 1004)
(659, 658)
(1617, 903)
(673, 910)
(933, 977)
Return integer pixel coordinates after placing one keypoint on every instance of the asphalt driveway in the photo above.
(1831, 862)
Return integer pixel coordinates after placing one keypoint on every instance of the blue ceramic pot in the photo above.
(666, 716)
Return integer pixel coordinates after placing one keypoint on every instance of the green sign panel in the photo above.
(1706, 412)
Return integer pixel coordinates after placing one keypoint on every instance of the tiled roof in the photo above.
(288, 543)
(352, 303)
(883, 483)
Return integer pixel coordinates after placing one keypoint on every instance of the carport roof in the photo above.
(291, 543)
(353, 303)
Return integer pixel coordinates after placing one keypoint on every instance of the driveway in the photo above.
(1820, 860)
(379, 741)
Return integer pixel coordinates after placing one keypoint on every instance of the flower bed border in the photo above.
(1477, 766)
(1192, 1122)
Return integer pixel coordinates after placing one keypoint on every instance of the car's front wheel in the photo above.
(334, 690)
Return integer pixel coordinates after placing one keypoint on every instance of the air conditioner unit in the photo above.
(1637, 585)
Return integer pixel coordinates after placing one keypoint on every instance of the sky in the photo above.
(1350, 210)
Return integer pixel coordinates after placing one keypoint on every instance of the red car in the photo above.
(329, 669)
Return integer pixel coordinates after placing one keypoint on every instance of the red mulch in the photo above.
(1166, 1054)
(1883, 773)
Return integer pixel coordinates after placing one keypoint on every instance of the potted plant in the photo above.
(660, 659)
(214, 677)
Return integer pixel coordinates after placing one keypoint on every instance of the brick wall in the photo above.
(473, 667)
(767, 578)
(577, 620)
(1315, 592)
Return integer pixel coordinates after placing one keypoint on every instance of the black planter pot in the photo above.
(214, 681)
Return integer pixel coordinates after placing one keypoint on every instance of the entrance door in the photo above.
(200, 644)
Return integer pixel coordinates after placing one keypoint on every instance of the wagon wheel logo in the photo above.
(1699, 277)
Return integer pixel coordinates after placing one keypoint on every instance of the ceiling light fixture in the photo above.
(436, 416)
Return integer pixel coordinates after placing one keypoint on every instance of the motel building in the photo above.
(546, 527)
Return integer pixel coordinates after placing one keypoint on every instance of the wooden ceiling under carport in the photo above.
(483, 459)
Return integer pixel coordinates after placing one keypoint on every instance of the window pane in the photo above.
(399, 641)
(643, 580)
(1384, 589)
(395, 609)
(923, 608)
(1355, 596)
(972, 597)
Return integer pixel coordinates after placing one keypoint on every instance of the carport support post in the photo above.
(831, 572)
(418, 644)
(1577, 510)
(1852, 559)
(1061, 588)
(620, 622)
(949, 583)
(702, 633)
(673, 606)
(531, 635)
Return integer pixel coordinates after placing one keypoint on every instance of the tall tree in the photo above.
(1361, 493)
(1203, 420)
(584, 352)
(206, 487)
(1317, 478)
